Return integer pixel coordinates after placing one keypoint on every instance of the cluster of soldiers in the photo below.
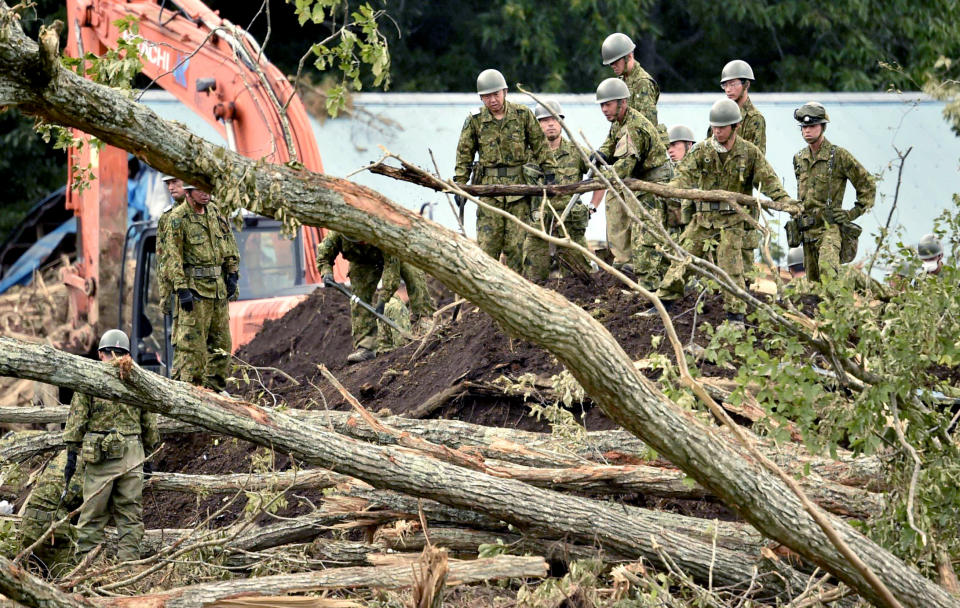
(501, 139)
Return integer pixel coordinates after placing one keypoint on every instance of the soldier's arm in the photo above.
(174, 255)
(76, 425)
(765, 180)
(686, 174)
(231, 256)
(538, 143)
(760, 124)
(648, 94)
(327, 252)
(149, 430)
(466, 149)
(608, 146)
(863, 182)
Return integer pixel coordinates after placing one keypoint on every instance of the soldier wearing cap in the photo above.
(822, 171)
(110, 437)
(571, 167)
(617, 52)
(634, 149)
(504, 136)
(165, 284)
(203, 263)
(723, 162)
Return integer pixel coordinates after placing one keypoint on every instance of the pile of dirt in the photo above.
(473, 349)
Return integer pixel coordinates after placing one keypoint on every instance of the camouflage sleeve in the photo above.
(608, 145)
(765, 180)
(76, 426)
(759, 124)
(390, 279)
(327, 252)
(686, 174)
(231, 255)
(466, 149)
(149, 430)
(538, 143)
(174, 255)
(645, 99)
(863, 182)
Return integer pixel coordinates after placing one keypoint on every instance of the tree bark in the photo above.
(544, 317)
(618, 529)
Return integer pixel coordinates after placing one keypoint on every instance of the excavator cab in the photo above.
(272, 280)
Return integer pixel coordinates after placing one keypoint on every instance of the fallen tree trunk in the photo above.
(716, 196)
(28, 590)
(314, 479)
(33, 80)
(628, 531)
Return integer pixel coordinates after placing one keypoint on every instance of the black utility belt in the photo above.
(502, 171)
(711, 207)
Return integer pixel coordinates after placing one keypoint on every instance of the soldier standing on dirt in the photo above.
(723, 162)
(203, 263)
(823, 170)
(504, 136)
(634, 149)
(571, 167)
(368, 267)
(110, 438)
(50, 501)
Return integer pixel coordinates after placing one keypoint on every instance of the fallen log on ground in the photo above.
(529, 508)
(20, 586)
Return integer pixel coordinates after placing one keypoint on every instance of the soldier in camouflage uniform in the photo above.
(570, 169)
(617, 52)
(368, 267)
(204, 263)
(504, 136)
(634, 149)
(50, 501)
(681, 139)
(723, 162)
(110, 438)
(823, 170)
(179, 195)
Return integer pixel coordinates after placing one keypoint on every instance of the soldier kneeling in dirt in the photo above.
(368, 267)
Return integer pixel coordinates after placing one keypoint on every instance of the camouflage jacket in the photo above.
(753, 127)
(634, 146)
(741, 169)
(200, 241)
(164, 282)
(358, 253)
(644, 92)
(95, 415)
(816, 183)
(510, 142)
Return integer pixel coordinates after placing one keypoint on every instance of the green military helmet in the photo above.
(738, 68)
(929, 247)
(612, 88)
(543, 112)
(795, 257)
(490, 81)
(616, 46)
(811, 113)
(114, 338)
(724, 112)
(681, 133)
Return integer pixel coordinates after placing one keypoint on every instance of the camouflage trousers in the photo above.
(821, 251)
(363, 282)
(729, 254)
(202, 344)
(122, 497)
(497, 234)
(649, 264)
(619, 229)
(44, 507)
(536, 251)
(387, 337)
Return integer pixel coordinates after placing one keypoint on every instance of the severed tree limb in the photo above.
(541, 316)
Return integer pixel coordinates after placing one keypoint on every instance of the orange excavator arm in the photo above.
(214, 68)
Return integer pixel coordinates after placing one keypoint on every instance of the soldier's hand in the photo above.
(147, 471)
(186, 299)
(231, 281)
(460, 200)
(328, 279)
(71, 466)
(598, 156)
(834, 215)
(550, 178)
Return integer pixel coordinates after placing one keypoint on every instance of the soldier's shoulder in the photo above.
(475, 112)
(176, 215)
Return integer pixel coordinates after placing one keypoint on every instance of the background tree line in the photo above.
(793, 45)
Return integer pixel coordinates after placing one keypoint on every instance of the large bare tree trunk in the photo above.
(32, 79)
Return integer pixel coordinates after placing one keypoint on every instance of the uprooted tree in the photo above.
(32, 79)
